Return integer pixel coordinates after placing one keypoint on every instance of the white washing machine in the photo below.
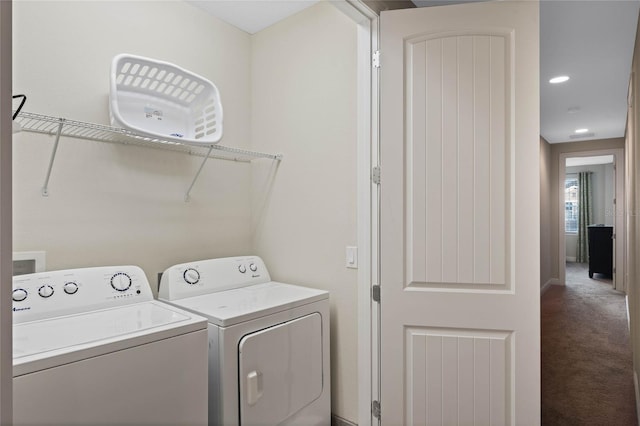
(268, 341)
(91, 346)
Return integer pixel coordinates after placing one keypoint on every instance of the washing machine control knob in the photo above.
(242, 269)
(70, 287)
(19, 294)
(121, 281)
(45, 291)
(191, 276)
(253, 267)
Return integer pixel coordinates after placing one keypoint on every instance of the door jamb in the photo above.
(619, 226)
(367, 205)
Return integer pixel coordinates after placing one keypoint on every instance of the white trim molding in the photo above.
(548, 284)
(637, 389)
(367, 154)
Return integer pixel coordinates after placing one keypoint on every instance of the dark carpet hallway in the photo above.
(586, 354)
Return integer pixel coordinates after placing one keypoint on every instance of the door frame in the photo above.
(367, 206)
(6, 225)
(619, 223)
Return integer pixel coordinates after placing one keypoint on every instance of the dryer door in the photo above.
(280, 370)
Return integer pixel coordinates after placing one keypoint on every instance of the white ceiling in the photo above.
(252, 15)
(591, 41)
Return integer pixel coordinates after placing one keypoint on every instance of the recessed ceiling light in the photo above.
(559, 79)
(582, 130)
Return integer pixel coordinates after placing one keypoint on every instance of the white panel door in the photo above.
(460, 221)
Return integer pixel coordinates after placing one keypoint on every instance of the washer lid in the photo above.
(46, 343)
(225, 308)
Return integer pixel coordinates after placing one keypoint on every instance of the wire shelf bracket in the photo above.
(45, 186)
(53, 126)
(195, 178)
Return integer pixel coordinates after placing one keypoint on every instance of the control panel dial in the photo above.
(242, 269)
(19, 294)
(253, 267)
(70, 287)
(45, 291)
(121, 281)
(191, 276)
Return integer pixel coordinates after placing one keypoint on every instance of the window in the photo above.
(571, 205)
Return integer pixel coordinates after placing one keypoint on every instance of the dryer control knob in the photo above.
(121, 281)
(45, 291)
(70, 287)
(19, 294)
(253, 267)
(242, 269)
(191, 276)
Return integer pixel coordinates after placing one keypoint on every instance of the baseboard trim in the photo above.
(570, 259)
(637, 389)
(339, 421)
(548, 284)
(626, 299)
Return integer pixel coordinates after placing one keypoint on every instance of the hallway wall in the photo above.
(632, 146)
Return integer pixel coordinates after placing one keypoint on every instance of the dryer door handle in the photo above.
(254, 387)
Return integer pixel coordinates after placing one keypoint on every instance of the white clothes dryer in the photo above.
(268, 341)
(91, 346)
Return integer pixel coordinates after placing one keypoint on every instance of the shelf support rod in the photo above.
(195, 178)
(45, 187)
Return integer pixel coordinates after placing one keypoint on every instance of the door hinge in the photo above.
(375, 175)
(375, 59)
(375, 293)
(375, 409)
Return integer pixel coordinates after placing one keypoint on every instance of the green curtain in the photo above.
(585, 215)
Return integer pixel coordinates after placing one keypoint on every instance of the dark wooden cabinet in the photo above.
(600, 250)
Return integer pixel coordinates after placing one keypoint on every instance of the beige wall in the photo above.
(113, 204)
(304, 212)
(556, 150)
(545, 212)
(6, 355)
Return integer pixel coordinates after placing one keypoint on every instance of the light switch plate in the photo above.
(352, 257)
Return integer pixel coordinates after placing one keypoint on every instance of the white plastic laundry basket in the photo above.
(161, 100)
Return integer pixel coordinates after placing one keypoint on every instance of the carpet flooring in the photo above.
(587, 374)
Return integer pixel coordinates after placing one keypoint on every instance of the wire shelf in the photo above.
(44, 124)
(47, 125)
